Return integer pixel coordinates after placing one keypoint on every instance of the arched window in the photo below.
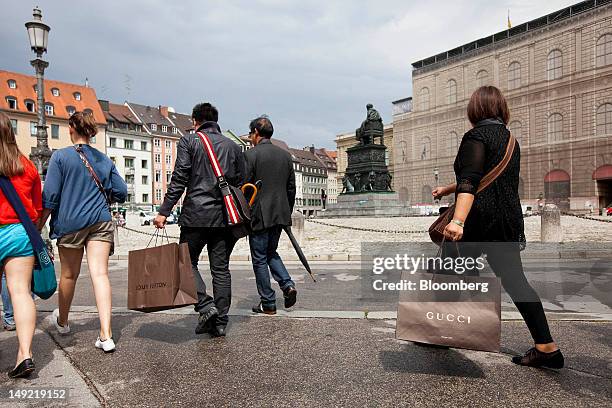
(515, 129)
(49, 109)
(30, 105)
(604, 119)
(454, 143)
(426, 196)
(55, 92)
(555, 64)
(481, 78)
(451, 88)
(514, 75)
(77, 96)
(12, 84)
(555, 127)
(424, 99)
(425, 148)
(603, 50)
(12, 102)
(71, 110)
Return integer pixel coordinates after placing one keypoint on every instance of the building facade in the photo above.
(18, 100)
(556, 73)
(313, 174)
(326, 158)
(129, 147)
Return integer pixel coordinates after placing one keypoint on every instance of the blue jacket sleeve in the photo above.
(118, 187)
(52, 191)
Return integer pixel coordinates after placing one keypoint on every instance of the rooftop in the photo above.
(61, 95)
(506, 35)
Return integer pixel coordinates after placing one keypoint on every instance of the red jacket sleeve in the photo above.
(36, 190)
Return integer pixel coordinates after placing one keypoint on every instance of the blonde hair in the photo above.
(10, 155)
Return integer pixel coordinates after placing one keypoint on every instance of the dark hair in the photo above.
(205, 112)
(10, 155)
(263, 126)
(487, 102)
(84, 124)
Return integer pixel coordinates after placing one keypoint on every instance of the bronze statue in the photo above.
(371, 128)
(347, 187)
(388, 179)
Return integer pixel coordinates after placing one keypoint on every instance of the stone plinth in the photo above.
(368, 204)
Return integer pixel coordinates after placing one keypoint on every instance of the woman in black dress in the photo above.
(491, 221)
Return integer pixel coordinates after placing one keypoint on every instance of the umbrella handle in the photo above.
(249, 185)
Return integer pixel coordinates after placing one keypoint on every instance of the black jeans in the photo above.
(504, 258)
(220, 244)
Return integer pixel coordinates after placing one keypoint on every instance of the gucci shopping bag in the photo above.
(160, 278)
(450, 310)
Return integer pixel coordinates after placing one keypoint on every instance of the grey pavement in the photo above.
(324, 353)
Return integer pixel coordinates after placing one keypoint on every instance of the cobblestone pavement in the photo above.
(324, 239)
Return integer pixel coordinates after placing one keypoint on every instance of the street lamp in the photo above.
(38, 33)
(436, 177)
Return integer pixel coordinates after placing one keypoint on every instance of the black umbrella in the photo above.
(298, 250)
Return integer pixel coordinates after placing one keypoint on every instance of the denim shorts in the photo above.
(14, 242)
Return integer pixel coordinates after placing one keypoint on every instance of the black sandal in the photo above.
(23, 370)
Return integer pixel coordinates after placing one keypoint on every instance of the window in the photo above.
(112, 142)
(129, 162)
(128, 144)
(451, 88)
(55, 92)
(603, 50)
(129, 179)
(12, 84)
(49, 109)
(72, 109)
(158, 176)
(604, 119)
(481, 78)
(113, 159)
(174, 130)
(168, 144)
(426, 148)
(424, 96)
(33, 130)
(153, 127)
(88, 111)
(145, 180)
(54, 131)
(158, 194)
(515, 129)
(12, 102)
(30, 106)
(156, 142)
(14, 125)
(143, 145)
(77, 96)
(168, 176)
(158, 158)
(514, 75)
(454, 143)
(555, 127)
(168, 159)
(145, 164)
(138, 128)
(555, 64)
(164, 128)
(145, 198)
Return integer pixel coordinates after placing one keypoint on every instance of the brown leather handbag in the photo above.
(436, 230)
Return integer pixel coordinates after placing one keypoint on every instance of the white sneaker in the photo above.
(107, 345)
(61, 329)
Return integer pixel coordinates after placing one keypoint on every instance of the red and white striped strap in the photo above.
(228, 198)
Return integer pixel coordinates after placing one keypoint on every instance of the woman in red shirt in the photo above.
(16, 253)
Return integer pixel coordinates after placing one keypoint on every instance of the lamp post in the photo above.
(436, 178)
(38, 33)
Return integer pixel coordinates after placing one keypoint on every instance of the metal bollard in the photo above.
(551, 224)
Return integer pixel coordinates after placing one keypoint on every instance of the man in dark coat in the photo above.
(202, 219)
(271, 211)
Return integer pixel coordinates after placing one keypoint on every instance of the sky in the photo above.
(310, 65)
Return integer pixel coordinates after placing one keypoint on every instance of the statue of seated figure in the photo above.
(371, 128)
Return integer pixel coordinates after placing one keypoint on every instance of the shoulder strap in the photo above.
(95, 177)
(501, 166)
(212, 156)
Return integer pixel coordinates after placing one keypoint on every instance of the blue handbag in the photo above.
(44, 283)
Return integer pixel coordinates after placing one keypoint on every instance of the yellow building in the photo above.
(18, 99)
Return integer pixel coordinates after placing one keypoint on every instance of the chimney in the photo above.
(104, 105)
(312, 149)
(163, 110)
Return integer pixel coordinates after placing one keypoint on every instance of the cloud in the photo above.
(312, 65)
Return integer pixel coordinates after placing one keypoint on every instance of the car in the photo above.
(171, 219)
(147, 217)
(609, 210)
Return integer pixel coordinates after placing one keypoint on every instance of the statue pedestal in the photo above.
(369, 204)
(367, 169)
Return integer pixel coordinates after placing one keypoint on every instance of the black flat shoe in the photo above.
(218, 331)
(260, 308)
(290, 295)
(207, 320)
(23, 370)
(535, 358)
(436, 346)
